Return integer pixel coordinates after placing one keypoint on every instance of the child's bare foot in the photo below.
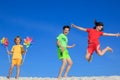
(8, 77)
(59, 77)
(16, 77)
(109, 49)
(90, 59)
(65, 76)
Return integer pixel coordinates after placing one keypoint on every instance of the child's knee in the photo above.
(99, 53)
(71, 63)
(11, 67)
(64, 63)
(88, 57)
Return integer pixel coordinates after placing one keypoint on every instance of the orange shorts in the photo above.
(16, 61)
(93, 47)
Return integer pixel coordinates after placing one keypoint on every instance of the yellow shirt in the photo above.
(17, 51)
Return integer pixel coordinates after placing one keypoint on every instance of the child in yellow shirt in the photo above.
(17, 52)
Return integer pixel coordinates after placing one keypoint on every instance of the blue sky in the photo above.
(43, 21)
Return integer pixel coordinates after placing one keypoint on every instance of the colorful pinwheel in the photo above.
(27, 41)
(4, 42)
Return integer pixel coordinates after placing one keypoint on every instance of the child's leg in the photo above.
(88, 56)
(10, 71)
(102, 52)
(64, 62)
(17, 71)
(68, 67)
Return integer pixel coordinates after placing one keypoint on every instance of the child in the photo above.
(63, 54)
(93, 39)
(17, 52)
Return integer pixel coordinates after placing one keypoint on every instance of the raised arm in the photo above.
(78, 27)
(111, 34)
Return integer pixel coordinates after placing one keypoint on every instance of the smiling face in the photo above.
(99, 28)
(17, 40)
(66, 31)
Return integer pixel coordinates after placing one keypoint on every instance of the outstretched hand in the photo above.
(73, 45)
(117, 34)
(73, 25)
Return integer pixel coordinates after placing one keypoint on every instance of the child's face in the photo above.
(99, 28)
(66, 31)
(17, 41)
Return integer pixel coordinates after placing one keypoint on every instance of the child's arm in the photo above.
(24, 52)
(9, 52)
(71, 46)
(59, 45)
(80, 28)
(111, 34)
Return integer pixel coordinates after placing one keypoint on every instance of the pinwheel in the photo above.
(4, 42)
(27, 41)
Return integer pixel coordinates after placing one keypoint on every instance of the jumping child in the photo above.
(93, 39)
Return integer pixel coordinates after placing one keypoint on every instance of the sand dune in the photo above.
(70, 78)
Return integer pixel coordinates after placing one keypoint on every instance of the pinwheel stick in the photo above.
(8, 54)
(24, 55)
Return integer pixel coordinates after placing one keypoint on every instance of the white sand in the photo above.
(70, 78)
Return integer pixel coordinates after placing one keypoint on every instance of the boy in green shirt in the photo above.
(63, 54)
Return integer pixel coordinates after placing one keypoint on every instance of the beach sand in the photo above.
(69, 78)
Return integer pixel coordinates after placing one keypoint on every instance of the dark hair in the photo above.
(66, 27)
(16, 38)
(98, 24)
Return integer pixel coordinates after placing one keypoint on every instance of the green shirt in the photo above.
(63, 40)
